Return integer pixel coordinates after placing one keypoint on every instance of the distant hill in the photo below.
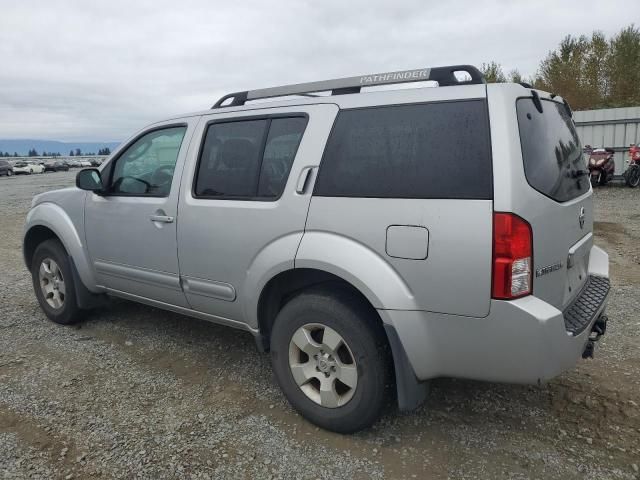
(22, 146)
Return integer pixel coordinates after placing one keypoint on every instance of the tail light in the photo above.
(512, 257)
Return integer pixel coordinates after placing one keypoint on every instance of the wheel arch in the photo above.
(48, 220)
(289, 283)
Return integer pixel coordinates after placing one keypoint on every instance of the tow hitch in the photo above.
(598, 330)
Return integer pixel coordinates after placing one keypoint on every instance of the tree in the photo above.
(493, 73)
(515, 76)
(15, 154)
(591, 72)
(623, 65)
(33, 153)
(78, 152)
(71, 153)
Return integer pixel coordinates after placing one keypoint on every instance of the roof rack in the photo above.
(445, 76)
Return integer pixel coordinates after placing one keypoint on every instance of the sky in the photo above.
(101, 70)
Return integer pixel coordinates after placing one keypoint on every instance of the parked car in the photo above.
(56, 166)
(84, 163)
(28, 168)
(73, 163)
(96, 162)
(6, 168)
(352, 235)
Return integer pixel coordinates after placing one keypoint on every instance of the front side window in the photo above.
(146, 167)
(248, 159)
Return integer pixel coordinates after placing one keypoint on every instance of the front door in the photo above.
(131, 229)
(244, 201)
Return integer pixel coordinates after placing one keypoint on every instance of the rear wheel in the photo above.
(632, 176)
(53, 283)
(331, 359)
(9, 173)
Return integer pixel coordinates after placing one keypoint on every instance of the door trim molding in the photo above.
(150, 277)
(208, 288)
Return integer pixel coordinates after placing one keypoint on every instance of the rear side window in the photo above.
(248, 159)
(551, 150)
(434, 150)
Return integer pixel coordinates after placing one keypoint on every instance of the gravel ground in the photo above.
(136, 392)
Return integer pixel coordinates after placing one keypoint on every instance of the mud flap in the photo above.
(86, 299)
(411, 392)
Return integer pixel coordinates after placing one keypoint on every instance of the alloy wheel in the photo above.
(322, 365)
(52, 283)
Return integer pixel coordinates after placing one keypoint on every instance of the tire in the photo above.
(68, 312)
(363, 351)
(9, 173)
(632, 176)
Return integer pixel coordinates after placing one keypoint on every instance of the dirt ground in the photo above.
(136, 392)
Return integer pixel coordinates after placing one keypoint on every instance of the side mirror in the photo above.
(89, 179)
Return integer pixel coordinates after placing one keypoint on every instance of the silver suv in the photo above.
(371, 239)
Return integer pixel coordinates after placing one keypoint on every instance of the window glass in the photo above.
(230, 159)
(551, 150)
(146, 167)
(248, 159)
(279, 152)
(436, 150)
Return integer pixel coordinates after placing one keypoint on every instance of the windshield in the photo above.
(551, 150)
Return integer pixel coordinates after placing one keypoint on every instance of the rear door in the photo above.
(243, 194)
(413, 184)
(560, 207)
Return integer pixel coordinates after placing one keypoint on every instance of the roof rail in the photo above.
(445, 76)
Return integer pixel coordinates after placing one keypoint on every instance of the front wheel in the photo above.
(331, 359)
(53, 283)
(632, 176)
(9, 173)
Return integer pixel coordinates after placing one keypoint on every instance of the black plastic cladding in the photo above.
(581, 312)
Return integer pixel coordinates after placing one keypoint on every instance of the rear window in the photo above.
(551, 150)
(434, 150)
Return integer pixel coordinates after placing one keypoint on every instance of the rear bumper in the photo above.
(520, 341)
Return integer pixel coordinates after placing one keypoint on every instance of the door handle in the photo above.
(161, 218)
(303, 180)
